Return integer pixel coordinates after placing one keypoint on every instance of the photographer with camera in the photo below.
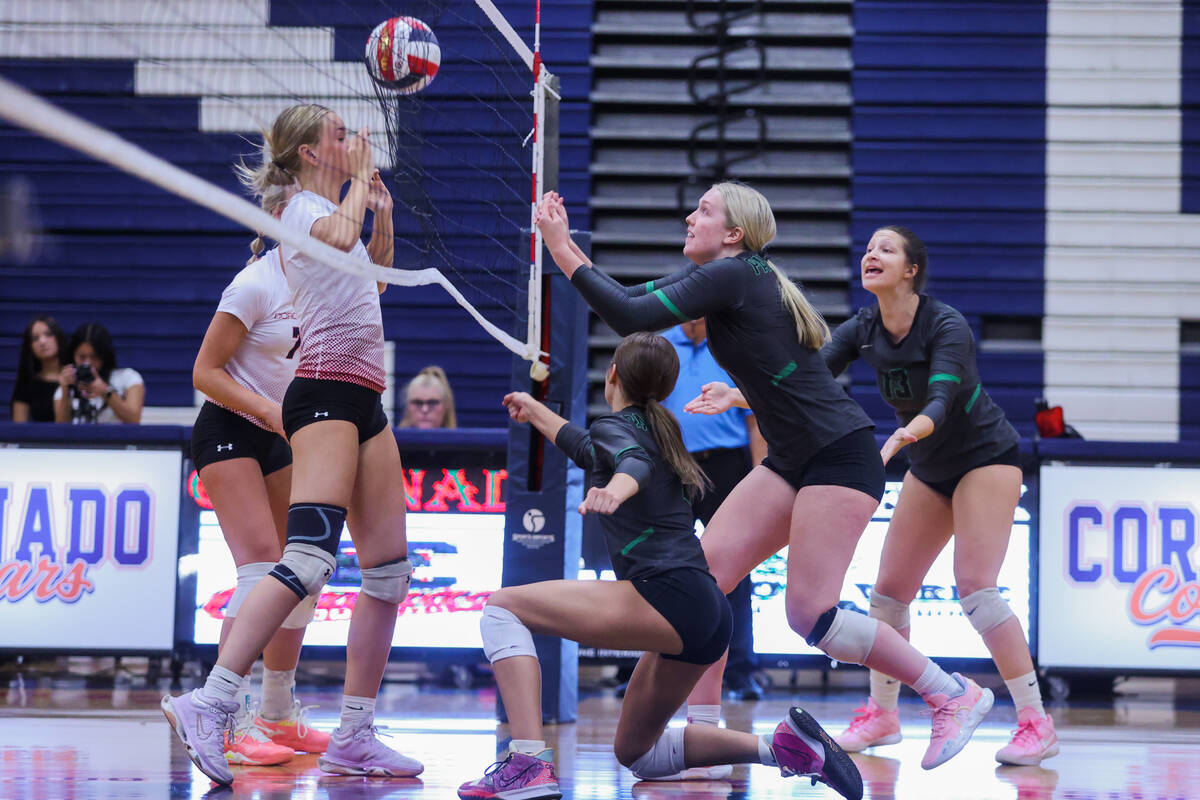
(91, 389)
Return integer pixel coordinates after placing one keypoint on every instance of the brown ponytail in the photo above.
(647, 366)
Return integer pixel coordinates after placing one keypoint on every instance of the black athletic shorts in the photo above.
(1011, 457)
(308, 400)
(852, 461)
(689, 599)
(219, 435)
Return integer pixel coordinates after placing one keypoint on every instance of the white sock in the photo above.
(244, 695)
(1026, 693)
(935, 680)
(885, 690)
(357, 712)
(222, 684)
(527, 747)
(704, 715)
(278, 693)
(765, 754)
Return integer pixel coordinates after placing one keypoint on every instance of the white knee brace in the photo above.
(248, 576)
(388, 582)
(850, 637)
(892, 612)
(665, 758)
(504, 636)
(302, 614)
(986, 609)
(304, 568)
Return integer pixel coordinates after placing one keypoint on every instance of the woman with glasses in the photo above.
(429, 403)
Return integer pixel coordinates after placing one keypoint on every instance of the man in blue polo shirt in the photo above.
(726, 446)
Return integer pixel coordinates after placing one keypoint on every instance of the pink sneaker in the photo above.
(954, 720)
(802, 747)
(201, 725)
(294, 732)
(247, 744)
(359, 752)
(1033, 740)
(872, 726)
(517, 777)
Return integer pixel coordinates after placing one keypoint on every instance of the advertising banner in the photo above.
(455, 522)
(88, 548)
(1118, 587)
(939, 628)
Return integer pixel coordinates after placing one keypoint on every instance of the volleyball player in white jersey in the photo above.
(244, 366)
(345, 462)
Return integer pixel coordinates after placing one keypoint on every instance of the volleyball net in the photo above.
(463, 158)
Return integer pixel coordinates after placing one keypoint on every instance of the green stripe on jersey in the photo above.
(944, 376)
(625, 450)
(666, 301)
(783, 373)
(974, 397)
(645, 535)
(649, 287)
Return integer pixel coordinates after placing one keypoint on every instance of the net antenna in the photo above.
(539, 369)
(29, 111)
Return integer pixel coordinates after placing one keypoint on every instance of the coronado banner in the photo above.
(1119, 557)
(88, 542)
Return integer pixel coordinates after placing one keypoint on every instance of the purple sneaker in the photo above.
(802, 747)
(201, 724)
(359, 752)
(518, 777)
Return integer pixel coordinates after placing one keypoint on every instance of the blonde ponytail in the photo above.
(748, 209)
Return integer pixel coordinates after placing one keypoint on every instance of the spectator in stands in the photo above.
(92, 389)
(43, 348)
(428, 401)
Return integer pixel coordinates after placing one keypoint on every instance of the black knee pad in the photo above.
(310, 555)
(821, 627)
(316, 524)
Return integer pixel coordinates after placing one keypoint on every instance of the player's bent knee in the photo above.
(248, 576)
(663, 759)
(888, 610)
(388, 582)
(314, 531)
(504, 635)
(986, 609)
(302, 614)
(843, 635)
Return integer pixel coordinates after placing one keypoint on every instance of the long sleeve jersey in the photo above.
(931, 371)
(652, 531)
(799, 406)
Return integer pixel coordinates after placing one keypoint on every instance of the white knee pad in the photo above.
(986, 609)
(388, 582)
(302, 614)
(504, 636)
(850, 637)
(304, 568)
(665, 758)
(248, 576)
(885, 609)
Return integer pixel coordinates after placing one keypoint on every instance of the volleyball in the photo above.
(403, 54)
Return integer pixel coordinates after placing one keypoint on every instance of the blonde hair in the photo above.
(432, 376)
(280, 162)
(746, 208)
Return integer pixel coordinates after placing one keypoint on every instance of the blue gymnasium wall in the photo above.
(1189, 361)
(152, 267)
(949, 140)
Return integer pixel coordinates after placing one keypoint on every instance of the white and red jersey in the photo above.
(341, 325)
(265, 361)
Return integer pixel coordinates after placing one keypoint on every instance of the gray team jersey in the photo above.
(931, 371)
(652, 531)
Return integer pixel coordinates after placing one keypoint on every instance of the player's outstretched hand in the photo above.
(715, 398)
(599, 500)
(551, 218)
(359, 158)
(520, 405)
(899, 439)
(379, 199)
